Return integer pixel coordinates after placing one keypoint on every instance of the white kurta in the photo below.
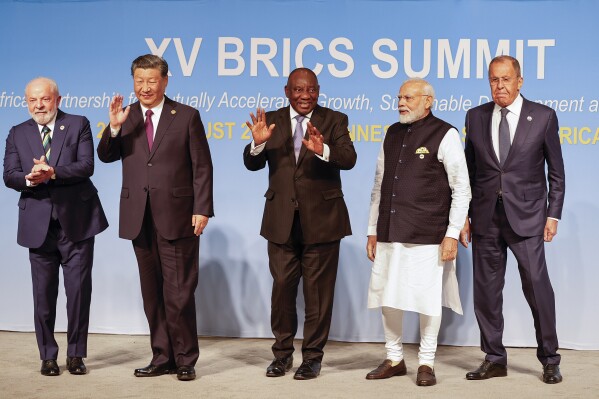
(412, 276)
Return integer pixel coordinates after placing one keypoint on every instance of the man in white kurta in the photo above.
(419, 274)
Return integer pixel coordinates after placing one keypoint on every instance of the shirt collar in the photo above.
(49, 124)
(293, 113)
(156, 110)
(515, 107)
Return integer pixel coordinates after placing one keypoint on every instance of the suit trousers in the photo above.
(316, 265)
(168, 274)
(76, 259)
(489, 256)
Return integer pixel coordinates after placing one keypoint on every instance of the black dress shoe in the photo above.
(551, 374)
(186, 373)
(76, 366)
(486, 370)
(49, 368)
(152, 371)
(309, 369)
(279, 366)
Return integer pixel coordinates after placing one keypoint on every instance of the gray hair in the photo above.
(427, 88)
(51, 82)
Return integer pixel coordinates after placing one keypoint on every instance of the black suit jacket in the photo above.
(526, 199)
(310, 183)
(176, 174)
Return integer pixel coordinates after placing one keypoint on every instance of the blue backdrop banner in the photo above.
(228, 57)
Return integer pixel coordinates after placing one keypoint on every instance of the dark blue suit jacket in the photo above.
(71, 197)
(527, 199)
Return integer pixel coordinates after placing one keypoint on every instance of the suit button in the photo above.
(393, 194)
(296, 178)
(149, 164)
(400, 161)
(395, 177)
(392, 210)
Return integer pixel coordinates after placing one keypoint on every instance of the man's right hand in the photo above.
(260, 131)
(117, 115)
(465, 233)
(371, 248)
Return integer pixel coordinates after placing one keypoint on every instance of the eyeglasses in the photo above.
(409, 99)
(506, 80)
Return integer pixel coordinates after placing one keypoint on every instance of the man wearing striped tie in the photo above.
(49, 159)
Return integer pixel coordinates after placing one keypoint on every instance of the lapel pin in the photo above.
(529, 118)
(61, 127)
(173, 112)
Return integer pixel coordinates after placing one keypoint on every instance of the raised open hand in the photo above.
(117, 115)
(260, 131)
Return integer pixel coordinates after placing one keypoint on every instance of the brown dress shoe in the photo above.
(486, 370)
(76, 366)
(551, 374)
(279, 366)
(425, 376)
(386, 370)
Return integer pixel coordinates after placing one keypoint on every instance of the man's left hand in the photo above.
(40, 172)
(550, 230)
(449, 249)
(315, 140)
(199, 222)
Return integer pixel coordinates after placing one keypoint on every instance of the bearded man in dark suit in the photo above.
(49, 159)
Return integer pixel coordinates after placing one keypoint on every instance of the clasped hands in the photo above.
(40, 172)
(261, 132)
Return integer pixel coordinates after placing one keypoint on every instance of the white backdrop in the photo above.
(227, 56)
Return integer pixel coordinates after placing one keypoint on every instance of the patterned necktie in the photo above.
(46, 142)
(149, 128)
(504, 137)
(298, 135)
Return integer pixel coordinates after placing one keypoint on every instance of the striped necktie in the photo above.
(46, 142)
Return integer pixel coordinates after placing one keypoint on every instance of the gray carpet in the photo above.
(234, 368)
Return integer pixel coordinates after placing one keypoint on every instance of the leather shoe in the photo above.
(551, 374)
(386, 370)
(309, 369)
(279, 366)
(152, 371)
(49, 368)
(426, 376)
(486, 370)
(186, 373)
(76, 366)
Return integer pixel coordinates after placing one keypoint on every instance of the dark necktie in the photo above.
(46, 142)
(504, 137)
(298, 135)
(149, 128)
